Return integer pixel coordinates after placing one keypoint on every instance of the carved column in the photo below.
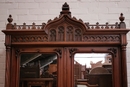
(8, 57)
(124, 66)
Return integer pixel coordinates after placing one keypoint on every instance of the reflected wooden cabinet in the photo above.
(52, 46)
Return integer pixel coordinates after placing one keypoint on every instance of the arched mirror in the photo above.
(93, 70)
(38, 70)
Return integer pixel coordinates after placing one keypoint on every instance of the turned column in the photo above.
(123, 60)
(8, 53)
(124, 66)
(8, 64)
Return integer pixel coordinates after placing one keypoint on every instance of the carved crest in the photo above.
(66, 28)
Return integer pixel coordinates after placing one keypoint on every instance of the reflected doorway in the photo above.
(93, 70)
(38, 70)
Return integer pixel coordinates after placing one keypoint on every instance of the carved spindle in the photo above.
(107, 26)
(33, 26)
(38, 27)
(24, 26)
(97, 25)
(116, 25)
(9, 25)
(43, 25)
(19, 27)
(122, 24)
(92, 27)
(102, 27)
(111, 27)
(15, 26)
(28, 27)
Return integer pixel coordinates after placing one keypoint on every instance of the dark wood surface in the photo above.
(65, 36)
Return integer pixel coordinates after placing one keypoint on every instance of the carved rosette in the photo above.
(30, 38)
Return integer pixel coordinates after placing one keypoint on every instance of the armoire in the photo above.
(43, 55)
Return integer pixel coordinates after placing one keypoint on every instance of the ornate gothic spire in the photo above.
(65, 9)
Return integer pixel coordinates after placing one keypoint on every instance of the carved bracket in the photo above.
(59, 52)
(72, 51)
(113, 51)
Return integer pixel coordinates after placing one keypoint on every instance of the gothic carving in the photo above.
(66, 35)
(113, 51)
(60, 33)
(101, 38)
(69, 32)
(70, 36)
(78, 35)
(52, 35)
(72, 51)
(30, 38)
(59, 52)
(17, 51)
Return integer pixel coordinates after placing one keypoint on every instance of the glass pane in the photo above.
(93, 70)
(38, 70)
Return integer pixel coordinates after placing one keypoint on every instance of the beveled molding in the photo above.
(86, 38)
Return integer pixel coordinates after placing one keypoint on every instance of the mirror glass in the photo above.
(93, 70)
(38, 70)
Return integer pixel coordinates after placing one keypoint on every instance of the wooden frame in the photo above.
(65, 36)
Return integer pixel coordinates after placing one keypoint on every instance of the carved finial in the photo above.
(65, 6)
(116, 25)
(10, 19)
(33, 26)
(122, 24)
(65, 9)
(9, 25)
(121, 17)
(24, 25)
(106, 25)
(97, 25)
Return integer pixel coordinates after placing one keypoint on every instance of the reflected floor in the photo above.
(81, 86)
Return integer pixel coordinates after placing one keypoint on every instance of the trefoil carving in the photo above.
(72, 51)
(113, 51)
(59, 52)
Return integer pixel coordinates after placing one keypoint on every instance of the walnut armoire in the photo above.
(65, 35)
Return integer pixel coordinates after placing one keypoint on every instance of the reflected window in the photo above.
(93, 69)
(38, 70)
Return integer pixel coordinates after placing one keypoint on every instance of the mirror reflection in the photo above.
(38, 70)
(93, 70)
